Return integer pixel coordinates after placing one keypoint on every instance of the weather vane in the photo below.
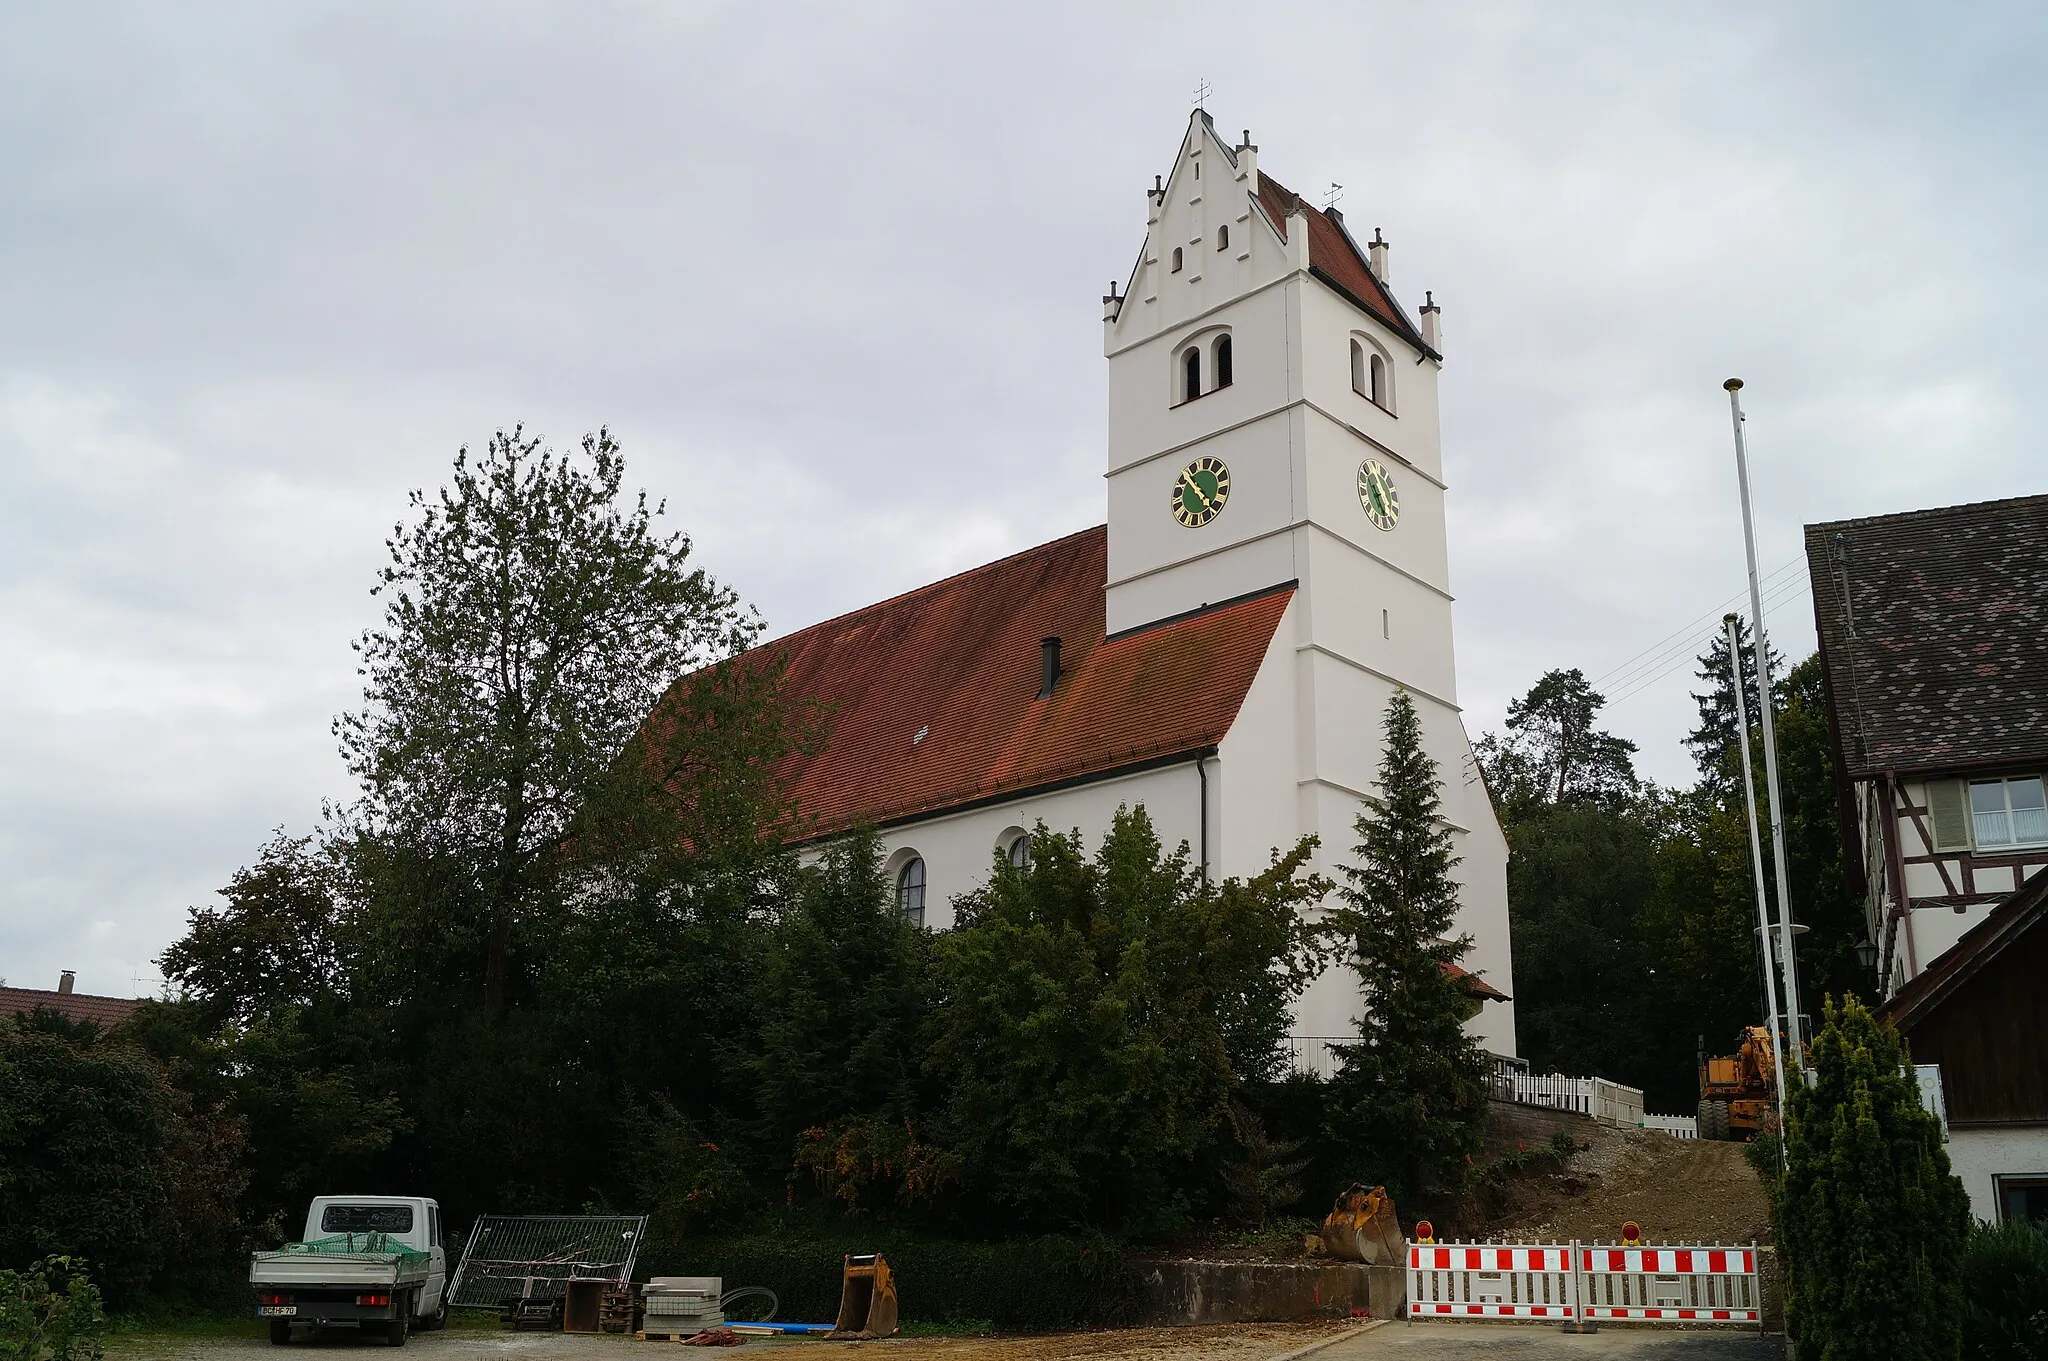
(1332, 195)
(1203, 89)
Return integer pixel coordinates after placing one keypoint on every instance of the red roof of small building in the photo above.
(1475, 986)
(1333, 255)
(931, 699)
(72, 1006)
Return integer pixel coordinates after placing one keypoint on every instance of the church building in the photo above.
(1222, 650)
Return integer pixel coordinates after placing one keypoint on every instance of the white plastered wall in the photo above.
(1979, 1154)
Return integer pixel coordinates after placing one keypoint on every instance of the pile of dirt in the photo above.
(1678, 1190)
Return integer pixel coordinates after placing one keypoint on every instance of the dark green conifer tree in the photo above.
(1411, 1095)
(1871, 1224)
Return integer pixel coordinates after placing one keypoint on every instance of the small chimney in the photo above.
(1432, 323)
(1378, 253)
(1248, 162)
(1111, 303)
(1048, 666)
(65, 980)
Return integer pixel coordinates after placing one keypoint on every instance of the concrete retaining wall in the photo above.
(1185, 1291)
(1509, 1124)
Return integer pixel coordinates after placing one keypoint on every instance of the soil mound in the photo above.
(1678, 1190)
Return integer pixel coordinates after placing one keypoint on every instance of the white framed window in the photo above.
(910, 890)
(2008, 813)
(1220, 367)
(1191, 373)
(1019, 853)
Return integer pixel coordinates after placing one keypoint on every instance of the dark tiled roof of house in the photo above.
(931, 699)
(1934, 635)
(2011, 919)
(1333, 255)
(72, 1006)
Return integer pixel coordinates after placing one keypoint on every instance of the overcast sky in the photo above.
(832, 275)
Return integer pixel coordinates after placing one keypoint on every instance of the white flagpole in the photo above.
(1787, 960)
(1756, 857)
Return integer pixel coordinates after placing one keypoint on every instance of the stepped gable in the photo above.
(931, 699)
(1335, 258)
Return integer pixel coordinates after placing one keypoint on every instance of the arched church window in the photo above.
(1358, 378)
(1019, 853)
(1371, 376)
(1223, 361)
(1176, 259)
(1191, 374)
(1379, 380)
(1223, 237)
(910, 890)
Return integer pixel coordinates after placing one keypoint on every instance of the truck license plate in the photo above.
(276, 1310)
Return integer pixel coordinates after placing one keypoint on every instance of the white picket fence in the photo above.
(1608, 1102)
(1581, 1284)
(1677, 1126)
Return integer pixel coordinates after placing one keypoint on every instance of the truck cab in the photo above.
(373, 1263)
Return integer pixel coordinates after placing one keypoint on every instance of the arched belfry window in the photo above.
(1222, 369)
(1191, 373)
(910, 890)
(1371, 377)
(1176, 259)
(1223, 237)
(1019, 853)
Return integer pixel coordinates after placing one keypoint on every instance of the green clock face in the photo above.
(1200, 491)
(1376, 493)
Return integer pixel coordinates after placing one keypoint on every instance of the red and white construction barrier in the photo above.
(1573, 1282)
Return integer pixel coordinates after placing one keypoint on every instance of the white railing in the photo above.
(1608, 1102)
(1580, 1283)
(1677, 1126)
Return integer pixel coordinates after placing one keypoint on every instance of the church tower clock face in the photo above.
(1376, 493)
(1200, 491)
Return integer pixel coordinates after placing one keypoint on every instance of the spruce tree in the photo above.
(1871, 1225)
(1411, 1095)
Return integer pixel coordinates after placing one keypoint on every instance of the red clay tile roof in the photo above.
(959, 661)
(1332, 255)
(1475, 986)
(72, 1006)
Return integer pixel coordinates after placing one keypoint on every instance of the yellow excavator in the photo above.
(1739, 1091)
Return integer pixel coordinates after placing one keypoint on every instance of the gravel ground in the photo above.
(1526, 1342)
(1230, 1342)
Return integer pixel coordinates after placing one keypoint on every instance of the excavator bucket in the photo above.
(1362, 1228)
(867, 1300)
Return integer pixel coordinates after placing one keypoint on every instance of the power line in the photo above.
(1781, 594)
(1684, 637)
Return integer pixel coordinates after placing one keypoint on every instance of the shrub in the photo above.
(1870, 1223)
(2005, 1292)
(101, 1158)
(50, 1312)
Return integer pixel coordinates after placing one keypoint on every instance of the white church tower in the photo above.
(1273, 423)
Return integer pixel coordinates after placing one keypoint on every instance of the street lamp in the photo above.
(1866, 954)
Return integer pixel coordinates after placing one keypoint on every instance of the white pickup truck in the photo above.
(373, 1263)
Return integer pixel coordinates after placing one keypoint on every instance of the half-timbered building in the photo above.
(1934, 644)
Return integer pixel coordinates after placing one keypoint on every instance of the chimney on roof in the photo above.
(1048, 666)
(1378, 253)
(1432, 323)
(1111, 303)
(65, 980)
(1248, 162)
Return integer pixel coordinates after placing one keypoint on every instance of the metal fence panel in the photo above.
(531, 1256)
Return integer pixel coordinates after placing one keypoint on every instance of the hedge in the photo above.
(1027, 1285)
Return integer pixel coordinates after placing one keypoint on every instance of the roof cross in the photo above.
(1203, 89)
